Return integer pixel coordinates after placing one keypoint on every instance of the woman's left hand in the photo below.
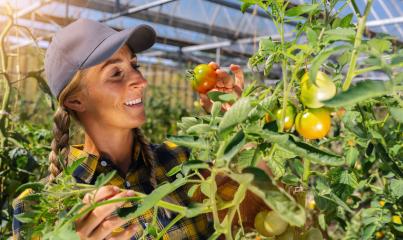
(225, 83)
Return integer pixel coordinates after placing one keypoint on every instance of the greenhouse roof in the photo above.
(194, 30)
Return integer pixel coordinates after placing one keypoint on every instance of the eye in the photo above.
(135, 66)
(117, 73)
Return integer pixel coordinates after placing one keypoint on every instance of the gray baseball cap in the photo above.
(85, 43)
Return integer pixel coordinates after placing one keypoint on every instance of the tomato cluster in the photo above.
(314, 122)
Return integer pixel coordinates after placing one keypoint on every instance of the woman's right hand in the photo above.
(99, 224)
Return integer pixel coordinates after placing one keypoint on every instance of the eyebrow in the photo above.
(133, 57)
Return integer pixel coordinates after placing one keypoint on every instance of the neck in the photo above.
(114, 144)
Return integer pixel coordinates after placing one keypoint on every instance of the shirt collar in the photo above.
(86, 170)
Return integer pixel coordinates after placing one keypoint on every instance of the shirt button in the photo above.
(103, 163)
(128, 184)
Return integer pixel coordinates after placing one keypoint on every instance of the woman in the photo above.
(92, 70)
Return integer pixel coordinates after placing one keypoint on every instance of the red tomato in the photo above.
(204, 78)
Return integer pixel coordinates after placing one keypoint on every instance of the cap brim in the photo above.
(138, 39)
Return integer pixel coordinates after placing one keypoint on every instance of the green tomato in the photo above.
(312, 95)
(274, 224)
(290, 113)
(269, 223)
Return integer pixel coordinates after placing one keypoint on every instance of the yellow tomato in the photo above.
(313, 123)
(396, 219)
(312, 95)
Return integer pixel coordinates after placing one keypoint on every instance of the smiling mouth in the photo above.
(134, 102)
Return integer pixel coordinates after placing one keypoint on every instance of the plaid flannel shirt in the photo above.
(168, 155)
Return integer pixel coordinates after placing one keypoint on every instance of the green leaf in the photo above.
(340, 34)
(103, 179)
(321, 57)
(215, 109)
(298, 147)
(155, 196)
(396, 187)
(192, 190)
(312, 36)
(277, 162)
(349, 179)
(397, 113)
(198, 129)
(360, 92)
(174, 171)
(235, 115)
(233, 146)
(189, 141)
(27, 217)
(187, 122)
(70, 169)
(35, 186)
(217, 96)
(301, 9)
(245, 6)
(193, 165)
(346, 20)
(352, 155)
(379, 45)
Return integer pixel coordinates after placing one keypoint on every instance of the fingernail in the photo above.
(116, 189)
(130, 193)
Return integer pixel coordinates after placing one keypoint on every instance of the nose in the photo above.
(136, 80)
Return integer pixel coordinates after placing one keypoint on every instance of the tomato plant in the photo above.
(204, 78)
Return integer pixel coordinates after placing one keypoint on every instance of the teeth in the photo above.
(132, 102)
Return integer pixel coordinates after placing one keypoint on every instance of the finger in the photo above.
(97, 196)
(224, 80)
(239, 76)
(239, 79)
(127, 234)
(214, 65)
(205, 102)
(102, 194)
(100, 213)
(106, 227)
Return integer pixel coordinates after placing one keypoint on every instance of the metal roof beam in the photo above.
(382, 22)
(137, 9)
(161, 18)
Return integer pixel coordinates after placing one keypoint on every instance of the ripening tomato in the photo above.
(312, 95)
(269, 223)
(290, 113)
(204, 78)
(313, 123)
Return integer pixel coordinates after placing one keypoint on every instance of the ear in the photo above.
(75, 102)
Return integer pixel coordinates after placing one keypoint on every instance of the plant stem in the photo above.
(284, 74)
(7, 88)
(167, 227)
(213, 191)
(357, 43)
(307, 171)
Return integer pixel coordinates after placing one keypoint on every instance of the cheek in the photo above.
(105, 97)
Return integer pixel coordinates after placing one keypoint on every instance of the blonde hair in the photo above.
(58, 156)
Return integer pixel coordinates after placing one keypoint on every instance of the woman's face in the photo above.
(115, 91)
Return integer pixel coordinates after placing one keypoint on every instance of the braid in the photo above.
(60, 142)
(148, 155)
